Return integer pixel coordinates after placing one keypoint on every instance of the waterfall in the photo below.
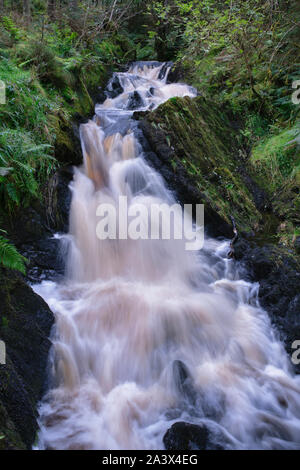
(148, 333)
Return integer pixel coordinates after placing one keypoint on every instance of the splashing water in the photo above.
(147, 333)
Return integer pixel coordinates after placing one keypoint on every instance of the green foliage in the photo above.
(10, 27)
(242, 53)
(23, 165)
(277, 156)
(9, 256)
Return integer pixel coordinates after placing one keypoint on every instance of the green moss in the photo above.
(206, 146)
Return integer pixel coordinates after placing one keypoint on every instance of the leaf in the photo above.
(10, 257)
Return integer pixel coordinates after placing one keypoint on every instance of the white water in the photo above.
(128, 311)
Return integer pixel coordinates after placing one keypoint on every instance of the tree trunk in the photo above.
(1, 5)
(26, 10)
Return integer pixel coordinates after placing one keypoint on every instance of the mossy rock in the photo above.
(198, 138)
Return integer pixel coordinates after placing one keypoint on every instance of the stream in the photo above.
(148, 333)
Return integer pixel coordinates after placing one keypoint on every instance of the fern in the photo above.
(10, 257)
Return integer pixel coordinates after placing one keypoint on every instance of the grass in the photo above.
(278, 157)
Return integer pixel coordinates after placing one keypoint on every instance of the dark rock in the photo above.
(297, 245)
(278, 273)
(135, 101)
(98, 95)
(25, 324)
(186, 436)
(183, 184)
(58, 200)
(176, 74)
(164, 69)
(114, 87)
(184, 383)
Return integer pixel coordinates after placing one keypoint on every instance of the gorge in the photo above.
(147, 334)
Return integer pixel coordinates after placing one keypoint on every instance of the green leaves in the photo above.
(24, 165)
(10, 257)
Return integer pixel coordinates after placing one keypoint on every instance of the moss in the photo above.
(207, 147)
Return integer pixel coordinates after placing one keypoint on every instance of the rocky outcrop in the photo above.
(25, 324)
(194, 145)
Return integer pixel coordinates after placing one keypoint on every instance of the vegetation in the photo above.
(9, 256)
(53, 57)
(246, 56)
(241, 54)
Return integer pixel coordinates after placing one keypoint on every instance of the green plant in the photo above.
(10, 27)
(23, 165)
(10, 257)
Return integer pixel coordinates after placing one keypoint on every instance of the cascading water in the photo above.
(148, 333)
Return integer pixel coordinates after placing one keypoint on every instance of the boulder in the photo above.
(186, 436)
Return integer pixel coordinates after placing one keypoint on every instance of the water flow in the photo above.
(147, 333)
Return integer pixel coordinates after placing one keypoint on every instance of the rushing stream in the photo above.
(148, 333)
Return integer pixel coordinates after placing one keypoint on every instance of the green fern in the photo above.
(10, 257)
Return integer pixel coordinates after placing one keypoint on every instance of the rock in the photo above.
(278, 273)
(194, 156)
(176, 74)
(186, 436)
(58, 200)
(135, 101)
(25, 324)
(114, 87)
(297, 245)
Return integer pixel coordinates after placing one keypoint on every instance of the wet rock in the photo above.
(58, 200)
(297, 245)
(135, 101)
(25, 324)
(278, 273)
(184, 383)
(176, 74)
(164, 69)
(114, 87)
(186, 436)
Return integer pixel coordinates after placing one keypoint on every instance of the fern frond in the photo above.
(10, 257)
